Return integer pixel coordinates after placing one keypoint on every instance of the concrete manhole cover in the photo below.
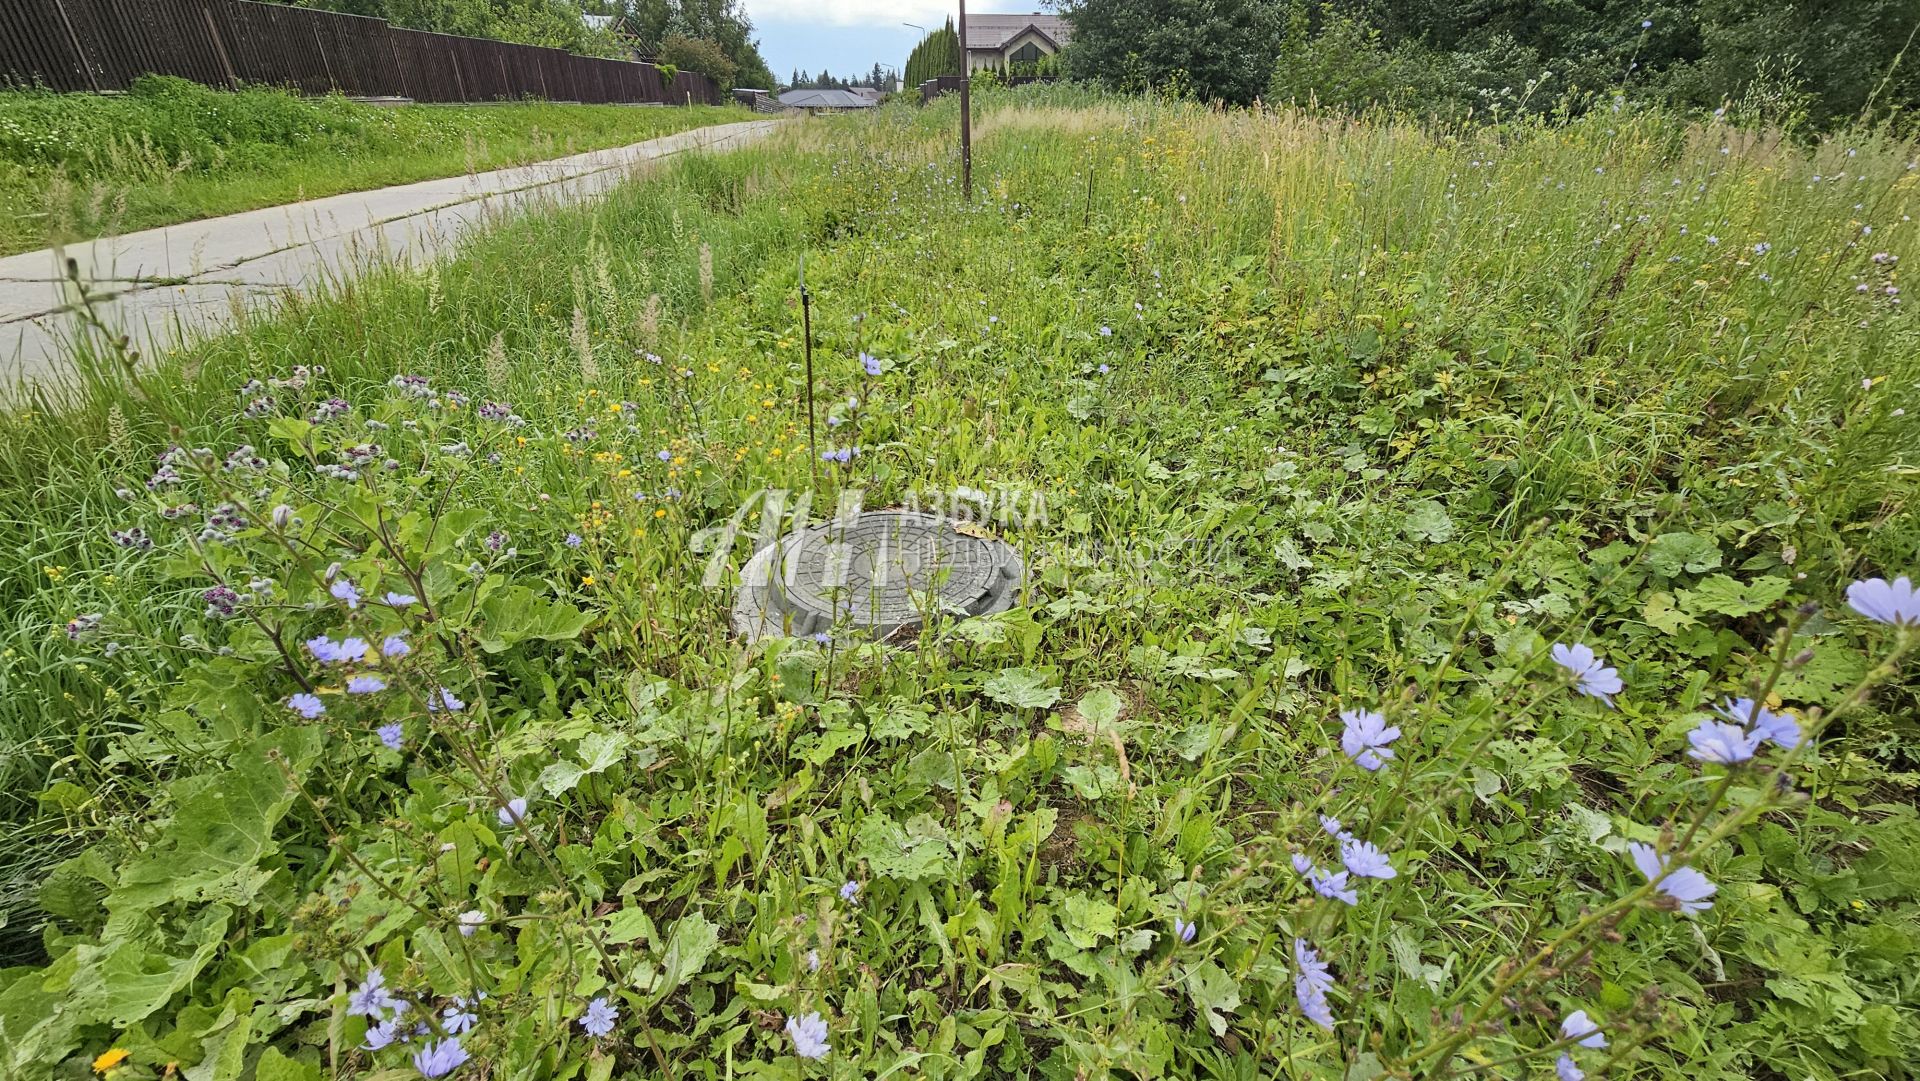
(878, 573)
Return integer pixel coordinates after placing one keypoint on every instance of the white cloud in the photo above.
(887, 13)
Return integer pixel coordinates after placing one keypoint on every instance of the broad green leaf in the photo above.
(1729, 596)
(1026, 688)
(1674, 554)
(520, 614)
(598, 751)
(1101, 707)
(1088, 919)
(1427, 521)
(1214, 993)
(689, 944)
(917, 850)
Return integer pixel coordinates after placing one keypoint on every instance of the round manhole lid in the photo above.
(876, 573)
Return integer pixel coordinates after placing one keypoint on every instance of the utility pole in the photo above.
(966, 111)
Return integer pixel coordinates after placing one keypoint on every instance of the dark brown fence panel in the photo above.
(74, 45)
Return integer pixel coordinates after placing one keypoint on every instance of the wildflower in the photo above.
(496, 540)
(1565, 1069)
(1685, 886)
(307, 705)
(459, 1017)
(871, 363)
(1718, 741)
(394, 646)
(1333, 885)
(822, 638)
(440, 1059)
(1883, 602)
(107, 1060)
(1302, 864)
(1310, 984)
(813, 960)
(1332, 827)
(1184, 930)
(1106, 332)
(514, 813)
(1764, 723)
(1365, 860)
(809, 1034)
(1366, 738)
(600, 1016)
(444, 699)
(1578, 1026)
(343, 590)
(222, 601)
(850, 892)
(383, 1034)
(392, 735)
(80, 626)
(1591, 678)
(573, 540)
(135, 538)
(372, 998)
(366, 685)
(399, 600)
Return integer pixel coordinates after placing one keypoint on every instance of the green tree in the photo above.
(1222, 50)
(937, 54)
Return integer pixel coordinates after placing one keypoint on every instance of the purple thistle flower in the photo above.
(1719, 741)
(1579, 1027)
(599, 1018)
(307, 705)
(1893, 602)
(366, 685)
(1366, 737)
(1688, 888)
(809, 1034)
(392, 735)
(440, 1059)
(345, 592)
(1764, 723)
(1591, 678)
(1365, 860)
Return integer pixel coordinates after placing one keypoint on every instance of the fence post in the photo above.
(79, 54)
(219, 47)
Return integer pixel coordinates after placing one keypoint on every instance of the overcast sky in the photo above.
(848, 36)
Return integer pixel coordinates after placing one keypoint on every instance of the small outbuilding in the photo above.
(825, 101)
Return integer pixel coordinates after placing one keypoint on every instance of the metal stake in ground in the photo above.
(806, 335)
(966, 111)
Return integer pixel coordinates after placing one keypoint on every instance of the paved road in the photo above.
(164, 286)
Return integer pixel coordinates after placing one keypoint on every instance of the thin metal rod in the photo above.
(966, 110)
(806, 326)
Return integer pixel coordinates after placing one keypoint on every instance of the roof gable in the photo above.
(991, 31)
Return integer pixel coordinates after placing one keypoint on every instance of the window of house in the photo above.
(1027, 54)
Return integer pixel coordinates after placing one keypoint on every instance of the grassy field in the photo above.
(1322, 434)
(74, 166)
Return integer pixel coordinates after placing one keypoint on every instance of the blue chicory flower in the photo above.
(514, 813)
(1311, 983)
(343, 590)
(600, 1016)
(394, 647)
(399, 600)
(1333, 884)
(1719, 741)
(440, 1059)
(574, 541)
(1566, 1069)
(459, 1017)
(1184, 930)
(850, 892)
(1366, 737)
(392, 735)
(307, 705)
(1685, 886)
(1365, 860)
(372, 998)
(365, 685)
(871, 363)
(1895, 603)
(1581, 1029)
(1764, 723)
(1590, 677)
(444, 699)
(809, 1034)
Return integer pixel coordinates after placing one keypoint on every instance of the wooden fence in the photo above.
(103, 45)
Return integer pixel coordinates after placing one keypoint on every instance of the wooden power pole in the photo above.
(966, 110)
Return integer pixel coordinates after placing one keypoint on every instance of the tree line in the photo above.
(1817, 62)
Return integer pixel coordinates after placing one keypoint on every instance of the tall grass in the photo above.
(73, 166)
(1374, 400)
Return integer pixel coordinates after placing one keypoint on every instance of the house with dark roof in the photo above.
(1004, 42)
(825, 101)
